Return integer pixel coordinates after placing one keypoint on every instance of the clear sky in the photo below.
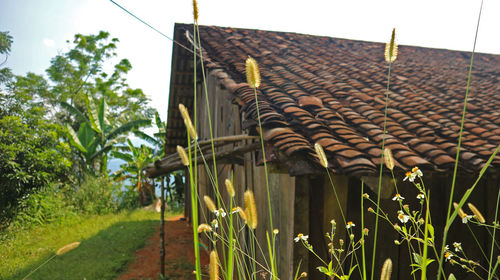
(41, 27)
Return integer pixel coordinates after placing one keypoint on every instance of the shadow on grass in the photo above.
(103, 256)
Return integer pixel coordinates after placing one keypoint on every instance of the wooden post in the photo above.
(162, 228)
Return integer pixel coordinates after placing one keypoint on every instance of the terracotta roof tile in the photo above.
(332, 91)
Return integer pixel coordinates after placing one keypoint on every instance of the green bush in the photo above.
(46, 205)
(95, 195)
(31, 157)
(128, 198)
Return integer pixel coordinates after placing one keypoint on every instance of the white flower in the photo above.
(417, 172)
(421, 196)
(350, 225)
(215, 224)
(398, 197)
(402, 217)
(409, 176)
(458, 246)
(235, 210)
(448, 256)
(467, 218)
(414, 173)
(300, 236)
(220, 212)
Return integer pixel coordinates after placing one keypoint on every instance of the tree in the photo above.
(97, 135)
(5, 44)
(136, 159)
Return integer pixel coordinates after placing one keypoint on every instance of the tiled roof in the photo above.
(331, 91)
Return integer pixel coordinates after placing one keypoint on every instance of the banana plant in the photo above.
(136, 159)
(97, 134)
(158, 139)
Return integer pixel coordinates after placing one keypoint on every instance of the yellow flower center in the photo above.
(415, 169)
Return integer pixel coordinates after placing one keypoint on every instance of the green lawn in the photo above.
(108, 243)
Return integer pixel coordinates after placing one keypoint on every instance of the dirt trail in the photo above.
(179, 254)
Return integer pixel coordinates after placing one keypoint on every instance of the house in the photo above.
(332, 91)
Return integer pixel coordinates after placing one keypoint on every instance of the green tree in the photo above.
(5, 44)
(136, 159)
(97, 134)
(158, 139)
(31, 154)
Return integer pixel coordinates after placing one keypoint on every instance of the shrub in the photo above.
(46, 205)
(95, 195)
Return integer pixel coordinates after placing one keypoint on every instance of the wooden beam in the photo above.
(174, 163)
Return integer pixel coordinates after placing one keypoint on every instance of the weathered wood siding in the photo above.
(307, 203)
(226, 121)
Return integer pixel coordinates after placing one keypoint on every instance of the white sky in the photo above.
(41, 27)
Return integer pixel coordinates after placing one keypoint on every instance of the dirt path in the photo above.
(179, 254)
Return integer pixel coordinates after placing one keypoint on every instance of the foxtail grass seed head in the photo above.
(187, 121)
(242, 214)
(476, 213)
(229, 187)
(209, 203)
(385, 274)
(388, 159)
(204, 228)
(461, 212)
(391, 49)
(213, 269)
(321, 155)
(183, 155)
(195, 11)
(251, 209)
(253, 73)
(67, 248)
(190, 127)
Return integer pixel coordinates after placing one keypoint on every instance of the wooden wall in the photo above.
(306, 204)
(315, 205)
(226, 121)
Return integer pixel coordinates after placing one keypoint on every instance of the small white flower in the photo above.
(458, 246)
(300, 236)
(235, 210)
(467, 218)
(417, 172)
(350, 225)
(421, 196)
(410, 176)
(220, 212)
(402, 217)
(448, 256)
(215, 224)
(398, 197)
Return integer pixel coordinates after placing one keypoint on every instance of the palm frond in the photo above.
(74, 140)
(73, 111)
(145, 137)
(127, 127)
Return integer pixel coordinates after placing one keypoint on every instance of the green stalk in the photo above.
(445, 233)
(362, 229)
(194, 179)
(230, 258)
(490, 273)
(426, 237)
(380, 173)
(273, 261)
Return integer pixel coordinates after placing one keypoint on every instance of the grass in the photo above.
(108, 243)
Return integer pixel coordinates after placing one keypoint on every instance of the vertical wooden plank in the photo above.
(316, 227)
(286, 234)
(301, 221)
